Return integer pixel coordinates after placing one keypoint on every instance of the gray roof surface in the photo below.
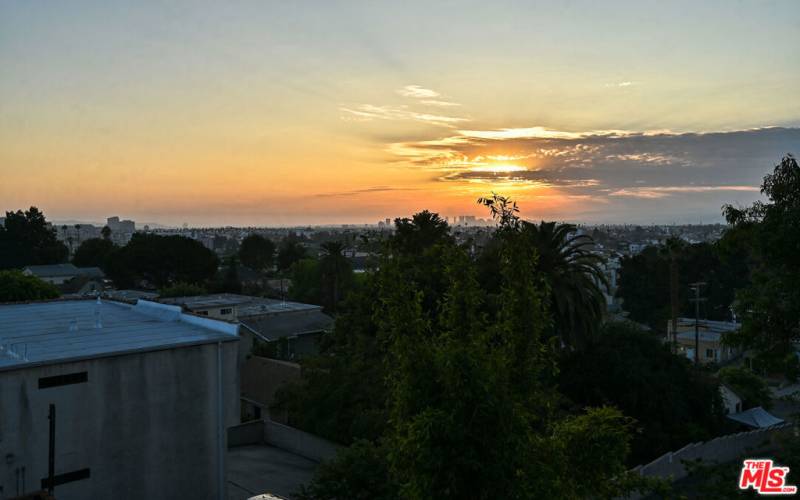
(247, 305)
(757, 417)
(705, 336)
(53, 270)
(277, 326)
(60, 331)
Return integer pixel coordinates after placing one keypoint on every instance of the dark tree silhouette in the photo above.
(257, 252)
(27, 239)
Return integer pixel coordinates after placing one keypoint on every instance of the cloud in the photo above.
(706, 168)
(356, 192)
(417, 92)
(438, 103)
(366, 112)
(622, 84)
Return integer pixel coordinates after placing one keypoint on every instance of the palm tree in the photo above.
(575, 277)
(333, 265)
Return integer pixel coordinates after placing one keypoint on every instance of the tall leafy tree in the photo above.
(257, 252)
(93, 252)
(336, 273)
(161, 261)
(290, 251)
(27, 239)
(770, 306)
(564, 259)
(627, 368)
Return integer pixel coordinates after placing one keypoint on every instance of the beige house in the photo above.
(710, 339)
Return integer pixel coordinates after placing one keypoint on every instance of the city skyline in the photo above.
(234, 115)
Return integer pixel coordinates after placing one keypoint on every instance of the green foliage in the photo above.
(25, 239)
(290, 251)
(343, 395)
(257, 252)
(644, 279)
(306, 282)
(182, 289)
(359, 472)
(17, 287)
(563, 259)
(671, 401)
(93, 253)
(336, 274)
(770, 305)
(161, 261)
(747, 385)
(454, 395)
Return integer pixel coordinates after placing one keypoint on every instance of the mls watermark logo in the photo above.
(765, 477)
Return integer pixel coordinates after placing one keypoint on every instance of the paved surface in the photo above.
(257, 469)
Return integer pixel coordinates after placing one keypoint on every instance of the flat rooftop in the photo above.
(71, 330)
(247, 305)
(258, 469)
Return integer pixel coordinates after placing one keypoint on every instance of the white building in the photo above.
(141, 396)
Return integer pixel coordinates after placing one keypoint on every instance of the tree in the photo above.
(672, 402)
(181, 289)
(227, 279)
(27, 239)
(106, 232)
(93, 252)
(257, 252)
(17, 287)
(747, 385)
(572, 272)
(455, 403)
(290, 251)
(336, 274)
(770, 305)
(161, 261)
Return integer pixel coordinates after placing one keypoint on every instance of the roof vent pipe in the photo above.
(98, 321)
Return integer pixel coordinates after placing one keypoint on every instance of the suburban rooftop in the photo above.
(72, 330)
(247, 305)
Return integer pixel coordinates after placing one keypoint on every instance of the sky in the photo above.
(289, 113)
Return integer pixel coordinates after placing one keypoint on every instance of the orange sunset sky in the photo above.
(283, 113)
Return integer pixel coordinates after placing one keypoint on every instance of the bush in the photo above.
(17, 287)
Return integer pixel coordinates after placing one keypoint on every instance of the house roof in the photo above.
(60, 331)
(277, 326)
(247, 305)
(757, 418)
(53, 270)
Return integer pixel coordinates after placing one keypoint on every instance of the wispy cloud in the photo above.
(356, 192)
(664, 191)
(441, 104)
(364, 112)
(623, 84)
(417, 92)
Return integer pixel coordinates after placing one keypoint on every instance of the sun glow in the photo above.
(498, 169)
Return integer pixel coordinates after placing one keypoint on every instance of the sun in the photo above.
(498, 169)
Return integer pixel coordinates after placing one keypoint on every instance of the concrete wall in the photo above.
(145, 424)
(284, 437)
(298, 442)
(262, 377)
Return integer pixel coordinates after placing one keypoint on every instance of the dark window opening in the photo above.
(68, 477)
(227, 310)
(66, 379)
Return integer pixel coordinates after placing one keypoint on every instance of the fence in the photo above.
(718, 450)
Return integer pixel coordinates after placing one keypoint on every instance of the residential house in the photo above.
(710, 339)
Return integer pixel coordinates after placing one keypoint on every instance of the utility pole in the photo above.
(51, 456)
(696, 288)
